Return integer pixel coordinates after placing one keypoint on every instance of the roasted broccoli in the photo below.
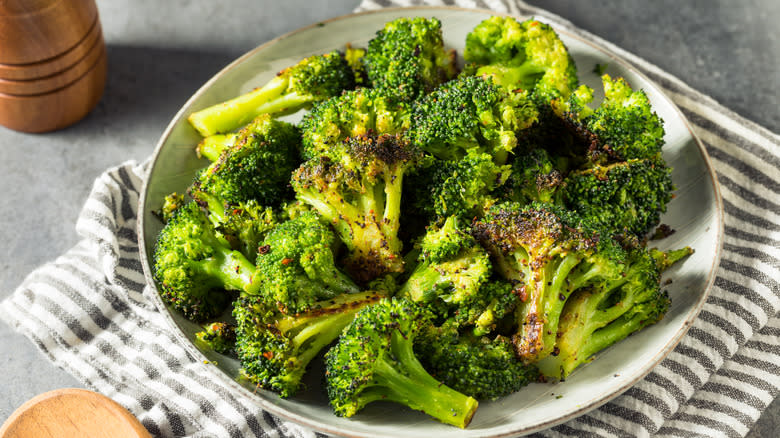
(535, 176)
(606, 312)
(623, 197)
(364, 111)
(522, 57)
(483, 367)
(548, 253)
(357, 188)
(171, 203)
(451, 279)
(217, 336)
(193, 265)
(470, 113)
(624, 126)
(312, 79)
(275, 348)
(245, 225)
(374, 360)
(256, 166)
(408, 58)
(296, 267)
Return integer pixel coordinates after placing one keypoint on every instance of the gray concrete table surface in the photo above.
(161, 52)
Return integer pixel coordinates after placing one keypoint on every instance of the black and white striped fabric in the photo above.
(90, 312)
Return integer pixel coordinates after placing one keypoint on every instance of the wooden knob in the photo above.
(72, 413)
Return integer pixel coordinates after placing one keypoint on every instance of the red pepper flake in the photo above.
(286, 261)
(268, 355)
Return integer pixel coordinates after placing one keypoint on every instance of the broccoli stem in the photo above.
(231, 268)
(318, 333)
(234, 113)
(405, 381)
(212, 146)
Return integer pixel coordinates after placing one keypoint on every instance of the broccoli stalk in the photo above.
(374, 360)
(275, 348)
(548, 253)
(597, 317)
(314, 78)
(212, 146)
(357, 188)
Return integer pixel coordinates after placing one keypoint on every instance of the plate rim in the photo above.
(595, 402)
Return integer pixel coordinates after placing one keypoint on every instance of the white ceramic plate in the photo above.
(695, 213)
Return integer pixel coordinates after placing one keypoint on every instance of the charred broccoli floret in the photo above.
(623, 197)
(275, 348)
(548, 253)
(624, 126)
(365, 111)
(296, 266)
(527, 57)
(535, 177)
(312, 79)
(256, 166)
(606, 312)
(193, 265)
(357, 188)
(482, 367)
(451, 279)
(374, 360)
(408, 58)
(217, 336)
(470, 113)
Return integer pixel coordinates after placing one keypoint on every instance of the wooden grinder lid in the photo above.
(66, 413)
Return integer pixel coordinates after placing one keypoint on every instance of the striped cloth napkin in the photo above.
(90, 311)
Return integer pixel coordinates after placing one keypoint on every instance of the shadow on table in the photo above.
(147, 86)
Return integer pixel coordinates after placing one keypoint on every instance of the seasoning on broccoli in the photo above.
(217, 336)
(374, 360)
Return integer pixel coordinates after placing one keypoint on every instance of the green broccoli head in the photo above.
(606, 312)
(535, 177)
(364, 111)
(171, 203)
(451, 279)
(245, 226)
(624, 126)
(408, 57)
(548, 253)
(463, 187)
(217, 336)
(482, 367)
(626, 197)
(256, 166)
(470, 113)
(312, 79)
(275, 348)
(527, 56)
(374, 360)
(193, 265)
(296, 267)
(357, 188)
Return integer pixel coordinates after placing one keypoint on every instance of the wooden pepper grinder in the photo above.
(52, 63)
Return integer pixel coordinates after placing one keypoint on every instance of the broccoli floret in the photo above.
(171, 203)
(256, 166)
(462, 188)
(357, 188)
(622, 127)
(665, 259)
(470, 113)
(623, 197)
(217, 336)
(548, 253)
(296, 267)
(479, 366)
(408, 58)
(374, 360)
(535, 177)
(275, 348)
(354, 113)
(606, 312)
(245, 225)
(451, 279)
(193, 265)
(525, 56)
(312, 79)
